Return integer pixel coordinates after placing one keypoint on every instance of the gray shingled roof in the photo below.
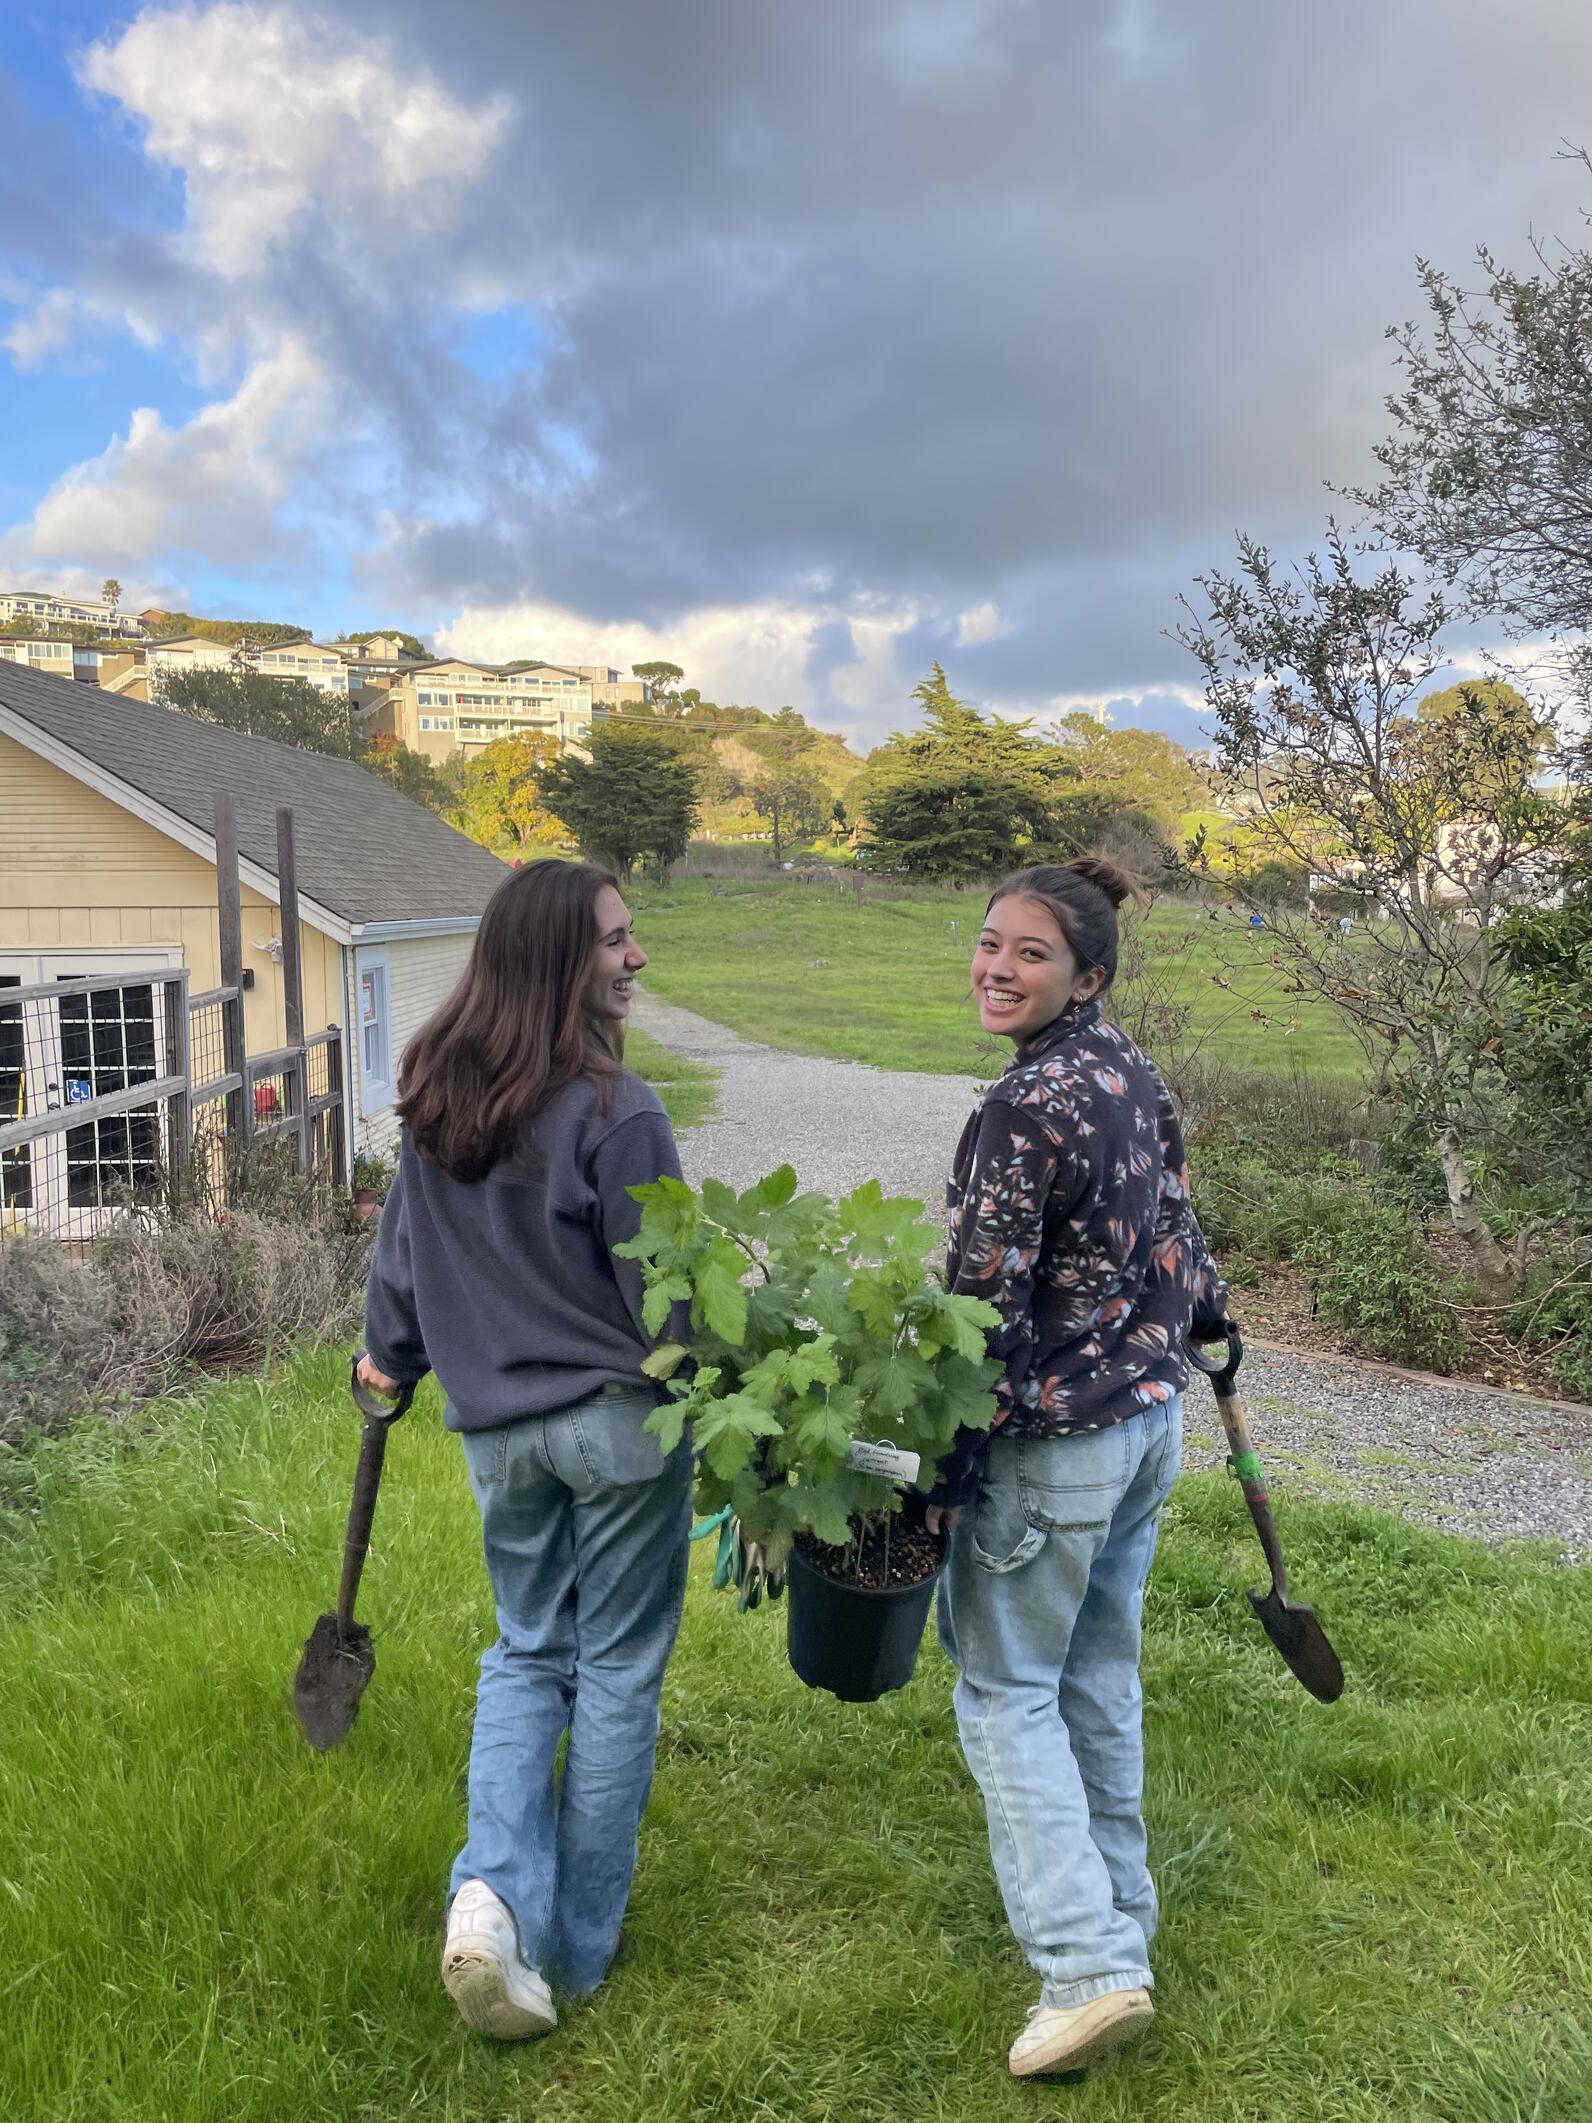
(364, 851)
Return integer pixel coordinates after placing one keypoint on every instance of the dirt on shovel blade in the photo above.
(332, 1675)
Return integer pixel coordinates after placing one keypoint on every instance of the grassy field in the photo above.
(803, 967)
(1372, 1911)
(686, 1087)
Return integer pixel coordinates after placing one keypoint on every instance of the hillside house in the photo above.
(107, 864)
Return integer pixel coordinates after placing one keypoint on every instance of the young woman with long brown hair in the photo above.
(1070, 1213)
(522, 1133)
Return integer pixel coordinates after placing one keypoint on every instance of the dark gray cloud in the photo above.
(943, 302)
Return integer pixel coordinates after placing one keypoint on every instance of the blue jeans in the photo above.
(1039, 1610)
(585, 1526)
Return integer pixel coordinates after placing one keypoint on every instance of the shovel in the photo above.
(340, 1658)
(1292, 1628)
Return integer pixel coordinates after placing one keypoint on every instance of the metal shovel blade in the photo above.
(340, 1658)
(332, 1675)
(1292, 1628)
(1302, 1641)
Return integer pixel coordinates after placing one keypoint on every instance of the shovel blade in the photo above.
(332, 1675)
(1302, 1641)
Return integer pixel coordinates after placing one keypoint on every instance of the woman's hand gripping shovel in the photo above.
(340, 1658)
(1292, 1628)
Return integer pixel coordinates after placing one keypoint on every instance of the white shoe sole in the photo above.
(476, 1980)
(1081, 2046)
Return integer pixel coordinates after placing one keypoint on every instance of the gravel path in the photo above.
(1496, 1466)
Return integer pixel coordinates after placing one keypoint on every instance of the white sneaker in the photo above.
(1068, 2037)
(483, 1973)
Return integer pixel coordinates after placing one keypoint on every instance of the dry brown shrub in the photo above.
(158, 1298)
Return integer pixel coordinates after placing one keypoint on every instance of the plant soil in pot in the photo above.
(857, 1614)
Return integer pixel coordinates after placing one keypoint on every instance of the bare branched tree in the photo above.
(1430, 816)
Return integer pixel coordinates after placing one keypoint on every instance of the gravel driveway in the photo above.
(1494, 1465)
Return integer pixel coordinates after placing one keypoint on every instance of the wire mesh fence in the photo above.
(116, 1089)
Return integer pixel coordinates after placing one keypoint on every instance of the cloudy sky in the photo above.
(800, 341)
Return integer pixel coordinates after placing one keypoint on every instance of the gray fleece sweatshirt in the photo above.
(506, 1286)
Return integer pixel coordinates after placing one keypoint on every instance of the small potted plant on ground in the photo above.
(830, 1369)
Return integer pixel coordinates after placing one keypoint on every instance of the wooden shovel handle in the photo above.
(1245, 1463)
(1222, 1371)
(379, 1418)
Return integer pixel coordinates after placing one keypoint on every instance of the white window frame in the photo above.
(46, 1078)
(377, 1089)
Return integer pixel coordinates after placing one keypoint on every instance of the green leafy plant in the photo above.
(813, 1324)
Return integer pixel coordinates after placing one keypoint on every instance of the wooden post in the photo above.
(229, 916)
(179, 1062)
(293, 977)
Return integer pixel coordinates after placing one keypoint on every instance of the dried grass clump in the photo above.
(158, 1298)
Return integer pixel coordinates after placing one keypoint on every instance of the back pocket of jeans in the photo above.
(1073, 1481)
(614, 1442)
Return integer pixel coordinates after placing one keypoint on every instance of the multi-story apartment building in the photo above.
(38, 653)
(448, 707)
(49, 610)
(310, 660)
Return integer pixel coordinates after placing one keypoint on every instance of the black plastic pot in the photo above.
(857, 1643)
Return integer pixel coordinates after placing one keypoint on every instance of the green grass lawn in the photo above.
(803, 967)
(1373, 1911)
(687, 1088)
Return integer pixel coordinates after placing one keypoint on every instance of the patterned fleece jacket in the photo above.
(1070, 1214)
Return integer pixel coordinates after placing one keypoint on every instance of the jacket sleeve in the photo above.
(633, 1154)
(1011, 1174)
(392, 1322)
(1209, 1289)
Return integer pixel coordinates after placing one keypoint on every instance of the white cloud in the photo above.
(210, 486)
(271, 115)
(872, 684)
(980, 623)
(745, 653)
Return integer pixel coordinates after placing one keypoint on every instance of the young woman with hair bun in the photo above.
(1070, 1214)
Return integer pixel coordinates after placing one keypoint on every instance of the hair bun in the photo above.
(1106, 876)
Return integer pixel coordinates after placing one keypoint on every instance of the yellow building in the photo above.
(107, 864)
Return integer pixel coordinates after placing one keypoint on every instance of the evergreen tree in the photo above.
(634, 800)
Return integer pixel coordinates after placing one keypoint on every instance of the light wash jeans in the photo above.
(585, 1526)
(1039, 1610)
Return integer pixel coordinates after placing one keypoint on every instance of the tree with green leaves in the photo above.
(813, 1324)
(291, 710)
(1436, 819)
(111, 593)
(1486, 474)
(964, 796)
(1141, 771)
(501, 792)
(634, 800)
(662, 681)
(793, 800)
(410, 773)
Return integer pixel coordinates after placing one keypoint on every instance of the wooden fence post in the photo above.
(293, 977)
(229, 916)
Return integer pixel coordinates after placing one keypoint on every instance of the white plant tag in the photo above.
(884, 1460)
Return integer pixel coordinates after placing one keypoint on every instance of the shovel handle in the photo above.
(1245, 1463)
(379, 1417)
(1242, 1457)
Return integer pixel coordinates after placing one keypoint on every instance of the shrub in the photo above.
(1372, 1276)
(157, 1298)
(1554, 1312)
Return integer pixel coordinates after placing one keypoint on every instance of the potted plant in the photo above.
(830, 1368)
